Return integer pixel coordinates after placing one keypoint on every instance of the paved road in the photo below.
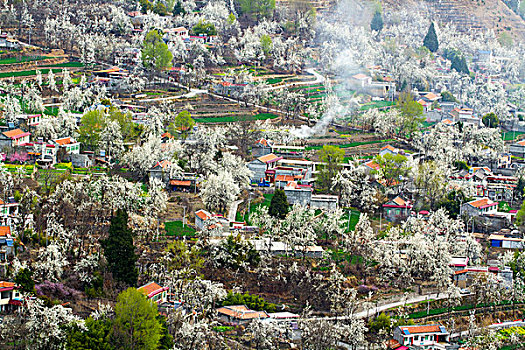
(318, 80)
(232, 212)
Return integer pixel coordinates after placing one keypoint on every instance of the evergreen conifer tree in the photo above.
(120, 251)
(431, 39)
(377, 22)
(279, 206)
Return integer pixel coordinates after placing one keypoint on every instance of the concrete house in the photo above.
(240, 315)
(154, 292)
(10, 297)
(479, 207)
(7, 248)
(69, 144)
(13, 138)
(261, 148)
(396, 209)
(362, 80)
(261, 165)
(161, 171)
(424, 336)
(518, 149)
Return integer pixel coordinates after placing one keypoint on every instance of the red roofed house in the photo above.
(422, 337)
(362, 79)
(261, 148)
(431, 97)
(161, 171)
(371, 166)
(396, 209)
(69, 144)
(200, 217)
(260, 165)
(239, 314)
(9, 296)
(154, 292)
(14, 138)
(479, 207)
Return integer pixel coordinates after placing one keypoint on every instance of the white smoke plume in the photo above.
(344, 60)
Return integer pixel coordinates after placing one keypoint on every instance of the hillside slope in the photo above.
(469, 15)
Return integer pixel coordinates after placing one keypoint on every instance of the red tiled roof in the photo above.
(263, 142)
(5, 230)
(388, 147)
(63, 141)
(360, 76)
(434, 328)
(180, 182)
(482, 203)
(399, 201)
(150, 289)
(286, 178)
(4, 284)
(372, 164)
(163, 164)
(431, 96)
(269, 158)
(202, 214)
(16, 133)
(242, 312)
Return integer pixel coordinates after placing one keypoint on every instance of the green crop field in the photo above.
(71, 64)
(26, 73)
(352, 144)
(12, 60)
(377, 104)
(262, 116)
(174, 228)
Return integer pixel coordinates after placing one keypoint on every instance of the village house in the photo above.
(68, 144)
(201, 216)
(479, 207)
(14, 138)
(261, 148)
(186, 182)
(422, 336)
(517, 149)
(80, 160)
(7, 249)
(10, 297)
(371, 166)
(397, 209)
(181, 32)
(466, 116)
(161, 171)
(361, 80)
(29, 119)
(280, 248)
(261, 167)
(226, 88)
(9, 208)
(154, 292)
(239, 315)
(8, 43)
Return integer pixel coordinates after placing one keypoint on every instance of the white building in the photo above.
(433, 336)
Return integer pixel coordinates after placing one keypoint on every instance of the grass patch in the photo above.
(511, 135)
(352, 144)
(272, 81)
(71, 64)
(376, 104)
(26, 73)
(253, 206)
(12, 60)
(262, 116)
(175, 229)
